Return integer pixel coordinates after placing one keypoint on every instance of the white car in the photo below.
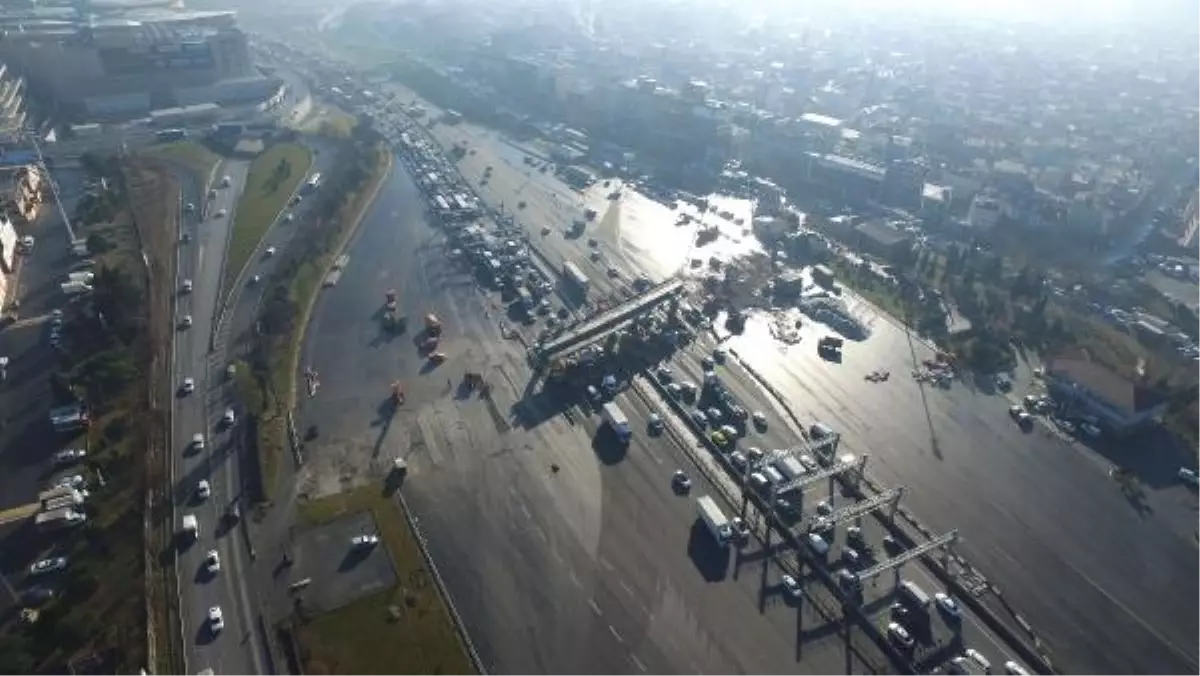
(48, 565)
(189, 386)
(229, 417)
(186, 287)
(791, 585)
(203, 490)
(198, 441)
(212, 562)
(1188, 476)
(363, 541)
(69, 455)
(947, 605)
(900, 635)
(289, 218)
(185, 322)
(221, 213)
(216, 621)
(226, 181)
(1011, 667)
(824, 508)
(978, 658)
(75, 481)
(270, 251)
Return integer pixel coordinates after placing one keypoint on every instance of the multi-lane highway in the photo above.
(236, 649)
(965, 465)
(595, 567)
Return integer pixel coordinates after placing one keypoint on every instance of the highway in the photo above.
(1123, 603)
(236, 649)
(781, 433)
(593, 568)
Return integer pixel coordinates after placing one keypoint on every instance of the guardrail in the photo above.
(459, 627)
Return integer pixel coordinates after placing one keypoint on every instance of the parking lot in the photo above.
(331, 569)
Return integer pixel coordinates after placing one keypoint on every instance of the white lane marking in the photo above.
(525, 512)
(595, 608)
(617, 636)
(625, 587)
(574, 579)
(605, 564)
(542, 534)
(637, 663)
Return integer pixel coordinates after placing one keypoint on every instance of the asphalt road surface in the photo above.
(1029, 506)
(598, 567)
(236, 649)
(781, 434)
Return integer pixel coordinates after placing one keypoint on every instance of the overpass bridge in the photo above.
(599, 326)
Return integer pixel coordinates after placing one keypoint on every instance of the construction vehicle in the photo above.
(433, 325)
(397, 393)
(390, 300)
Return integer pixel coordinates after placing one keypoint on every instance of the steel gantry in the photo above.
(943, 541)
(857, 465)
(856, 510)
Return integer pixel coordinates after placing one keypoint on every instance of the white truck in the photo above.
(615, 418)
(191, 527)
(73, 288)
(55, 519)
(83, 277)
(714, 519)
(790, 467)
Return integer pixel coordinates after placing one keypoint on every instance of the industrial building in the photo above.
(1117, 404)
(115, 62)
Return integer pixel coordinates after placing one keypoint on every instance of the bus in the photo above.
(313, 182)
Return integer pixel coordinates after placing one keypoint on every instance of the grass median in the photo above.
(402, 630)
(198, 159)
(273, 178)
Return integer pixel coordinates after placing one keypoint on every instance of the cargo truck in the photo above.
(615, 418)
(75, 288)
(714, 519)
(790, 467)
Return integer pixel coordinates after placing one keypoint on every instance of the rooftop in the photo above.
(1124, 394)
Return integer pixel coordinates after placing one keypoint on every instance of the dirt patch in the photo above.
(154, 198)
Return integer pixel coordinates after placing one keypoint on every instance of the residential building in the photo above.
(881, 238)
(985, 212)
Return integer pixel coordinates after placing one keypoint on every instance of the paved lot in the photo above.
(26, 438)
(340, 572)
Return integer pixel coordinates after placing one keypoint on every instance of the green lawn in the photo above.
(273, 176)
(195, 157)
(402, 630)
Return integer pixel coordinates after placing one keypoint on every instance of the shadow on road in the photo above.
(711, 559)
(608, 448)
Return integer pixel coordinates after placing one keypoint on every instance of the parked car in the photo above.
(49, 565)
